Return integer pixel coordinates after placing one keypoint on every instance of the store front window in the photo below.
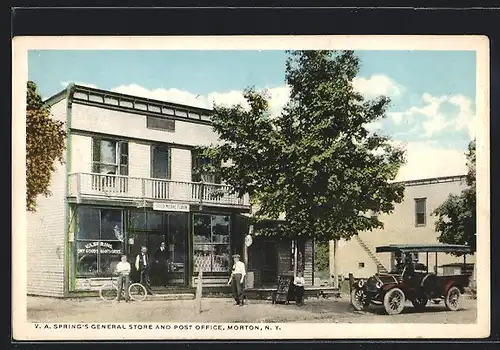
(99, 241)
(212, 246)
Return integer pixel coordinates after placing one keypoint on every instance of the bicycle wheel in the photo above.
(108, 292)
(137, 292)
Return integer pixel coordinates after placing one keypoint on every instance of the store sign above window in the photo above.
(101, 247)
(171, 207)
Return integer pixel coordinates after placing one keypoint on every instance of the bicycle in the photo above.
(109, 291)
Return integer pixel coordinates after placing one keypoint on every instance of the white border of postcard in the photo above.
(24, 330)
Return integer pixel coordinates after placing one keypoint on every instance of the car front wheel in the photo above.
(358, 298)
(452, 300)
(394, 301)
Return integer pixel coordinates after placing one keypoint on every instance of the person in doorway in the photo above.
(299, 283)
(123, 270)
(143, 266)
(161, 260)
(237, 278)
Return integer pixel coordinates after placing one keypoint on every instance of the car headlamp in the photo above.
(361, 283)
(379, 284)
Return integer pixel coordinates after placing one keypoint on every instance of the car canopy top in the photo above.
(434, 248)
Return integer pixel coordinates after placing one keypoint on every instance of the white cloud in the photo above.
(376, 85)
(434, 120)
(373, 126)
(427, 159)
(466, 117)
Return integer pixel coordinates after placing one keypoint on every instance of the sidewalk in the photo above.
(213, 310)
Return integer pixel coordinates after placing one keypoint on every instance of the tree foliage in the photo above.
(45, 144)
(456, 221)
(316, 161)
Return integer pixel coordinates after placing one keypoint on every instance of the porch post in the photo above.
(295, 257)
(332, 254)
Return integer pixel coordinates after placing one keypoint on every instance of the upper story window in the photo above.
(420, 211)
(109, 156)
(160, 162)
(196, 176)
(159, 123)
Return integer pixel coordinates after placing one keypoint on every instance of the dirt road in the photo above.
(223, 310)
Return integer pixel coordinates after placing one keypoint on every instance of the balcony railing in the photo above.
(136, 188)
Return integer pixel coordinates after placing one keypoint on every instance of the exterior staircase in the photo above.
(380, 268)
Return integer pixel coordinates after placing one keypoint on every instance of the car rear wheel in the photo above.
(452, 300)
(420, 303)
(358, 298)
(394, 301)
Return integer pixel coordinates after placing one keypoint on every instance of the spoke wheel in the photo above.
(108, 292)
(137, 292)
(394, 301)
(452, 300)
(358, 299)
(420, 303)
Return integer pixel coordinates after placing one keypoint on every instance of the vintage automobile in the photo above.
(412, 281)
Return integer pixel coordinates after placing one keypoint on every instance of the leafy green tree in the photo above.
(456, 221)
(45, 145)
(316, 161)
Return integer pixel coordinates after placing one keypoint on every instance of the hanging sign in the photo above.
(171, 207)
(248, 240)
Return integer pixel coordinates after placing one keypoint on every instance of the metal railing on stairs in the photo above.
(380, 267)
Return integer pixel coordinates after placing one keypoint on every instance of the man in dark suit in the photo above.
(162, 259)
(143, 266)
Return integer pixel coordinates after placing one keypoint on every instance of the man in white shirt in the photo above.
(143, 266)
(236, 279)
(123, 270)
(299, 283)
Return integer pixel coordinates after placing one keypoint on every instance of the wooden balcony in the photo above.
(136, 189)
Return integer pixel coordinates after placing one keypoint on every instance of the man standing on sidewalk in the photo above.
(123, 270)
(143, 266)
(236, 279)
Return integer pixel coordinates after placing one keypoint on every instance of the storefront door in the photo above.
(269, 269)
(168, 266)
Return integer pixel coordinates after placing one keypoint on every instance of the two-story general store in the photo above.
(127, 182)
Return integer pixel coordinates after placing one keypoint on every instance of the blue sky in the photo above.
(433, 92)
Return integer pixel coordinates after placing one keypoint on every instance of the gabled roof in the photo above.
(431, 248)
